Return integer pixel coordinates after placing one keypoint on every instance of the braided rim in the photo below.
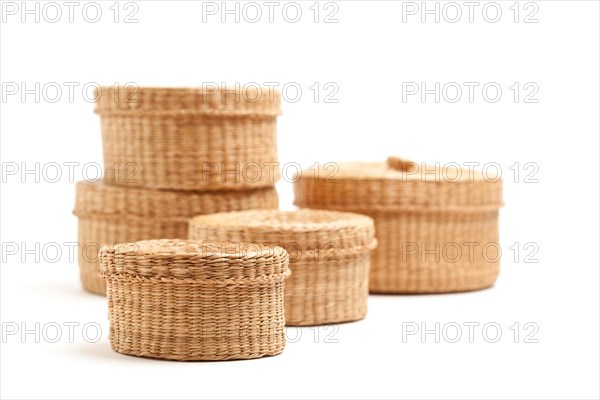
(377, 187)
(257, 102)
(315, 233)
(100, 200)
(198, 262)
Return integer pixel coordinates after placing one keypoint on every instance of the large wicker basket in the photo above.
(189, 139)
(112, 214)
(183, 300)
(329, 257)
(437, 226)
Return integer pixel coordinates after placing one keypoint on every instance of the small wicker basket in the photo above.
(437, 227)
(112, 214)
(329, 257)
(189, 139)
(184, 300)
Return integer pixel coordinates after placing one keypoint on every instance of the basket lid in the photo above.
(397, 185)
(208, 261)
(241, 101)
(98, 198)
(304, 230)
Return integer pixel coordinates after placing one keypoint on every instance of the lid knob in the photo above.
(402, 164)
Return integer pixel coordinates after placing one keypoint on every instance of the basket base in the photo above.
(428, 292)
(197, 358)
(328, 322)
(93, 284)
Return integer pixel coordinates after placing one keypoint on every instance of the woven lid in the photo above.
(303, 233)
(249, 101)
(397, 185)
(97, 198)
(209, 261)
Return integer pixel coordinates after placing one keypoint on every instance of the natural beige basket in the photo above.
(189, 139)
(436, 226)
(112, 214)
(329, 257)
(184, 300)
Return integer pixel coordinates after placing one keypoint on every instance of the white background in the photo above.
(368, 54)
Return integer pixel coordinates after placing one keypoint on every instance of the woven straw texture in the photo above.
(437, 227)
(183, 300)
(111, 214)
(189, 139)
(329, 256)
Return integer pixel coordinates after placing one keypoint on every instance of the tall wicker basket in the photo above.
(189, 139)
(329, 257)
(112, 214)
(437, 226)
(182, 300)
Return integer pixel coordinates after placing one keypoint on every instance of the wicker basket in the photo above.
(189, 139)
(112, 214)
(329, 257)
(184, 300)
(437, 227)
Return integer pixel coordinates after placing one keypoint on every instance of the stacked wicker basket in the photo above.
(169, 155)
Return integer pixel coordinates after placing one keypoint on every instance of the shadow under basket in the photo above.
(329, 257)
(112, 214)
(436, 227)
(184, 300)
